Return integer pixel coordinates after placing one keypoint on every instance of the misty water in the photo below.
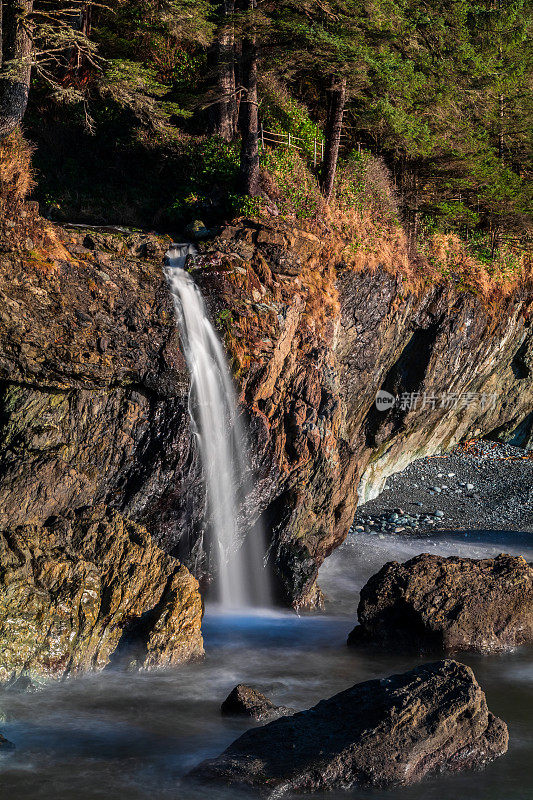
(134, 736)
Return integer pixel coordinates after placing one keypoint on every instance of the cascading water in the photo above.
(242, 579)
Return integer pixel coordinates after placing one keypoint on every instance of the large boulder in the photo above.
(451, 604)
(382, 733)
(88, 588)
(245, 701)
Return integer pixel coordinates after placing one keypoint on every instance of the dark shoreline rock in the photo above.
(245, 701)
(433, 603)
(388, 732)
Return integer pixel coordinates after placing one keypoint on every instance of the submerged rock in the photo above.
(5, 744)
(245, 701)
(382, 733)
(432, 602)
(79, 589)
(19, 685)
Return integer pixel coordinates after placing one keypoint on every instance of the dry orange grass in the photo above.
(370, 243)
(16, 176)
(509, 272)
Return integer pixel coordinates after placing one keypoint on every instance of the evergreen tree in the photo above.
(15, 62)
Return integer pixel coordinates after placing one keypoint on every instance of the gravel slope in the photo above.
(478, 486)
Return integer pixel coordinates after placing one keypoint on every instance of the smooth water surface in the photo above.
(135, 735)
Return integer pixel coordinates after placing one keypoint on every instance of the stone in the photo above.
(245, 701)
(20, 685)
(436, 603)
(5, 744)
(197, 230)
(381, 733)
(89, 588)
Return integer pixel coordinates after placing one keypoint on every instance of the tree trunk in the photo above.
(250, 181)
(335, 113)
(15, 59)
(501, 135)
(224, 116)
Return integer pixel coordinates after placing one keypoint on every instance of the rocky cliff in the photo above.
(94, 388)
(314, 340)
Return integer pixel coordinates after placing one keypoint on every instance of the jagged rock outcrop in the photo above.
(387, 732)
(437, 603)
(314, 340)
(245, 701)
(93, 387)
(90, 587)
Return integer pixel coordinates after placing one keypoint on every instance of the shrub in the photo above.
(296, 189)
(282, 113)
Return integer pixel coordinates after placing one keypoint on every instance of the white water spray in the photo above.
(242, 579)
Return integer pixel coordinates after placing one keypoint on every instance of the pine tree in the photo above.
(223, 110)
(15, 62)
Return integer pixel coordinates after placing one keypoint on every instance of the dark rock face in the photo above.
(93, 388)
(380, 733)
(432, 602)
(245, 701)
(88, 588)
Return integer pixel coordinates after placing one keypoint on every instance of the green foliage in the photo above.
(208, 175)
(298, 192)
(453, 215)
(225, 319)
(439, 91)
(245, 206)
(363, 183)
(280, 112)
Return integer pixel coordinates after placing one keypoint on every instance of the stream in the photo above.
(134, 736)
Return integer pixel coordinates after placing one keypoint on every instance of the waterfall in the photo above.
(242, 579)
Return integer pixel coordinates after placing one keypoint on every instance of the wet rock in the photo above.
(245, 701)
(434, 603)
(83, 588)
(5, 744)
(20, 685)
(381, 733)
